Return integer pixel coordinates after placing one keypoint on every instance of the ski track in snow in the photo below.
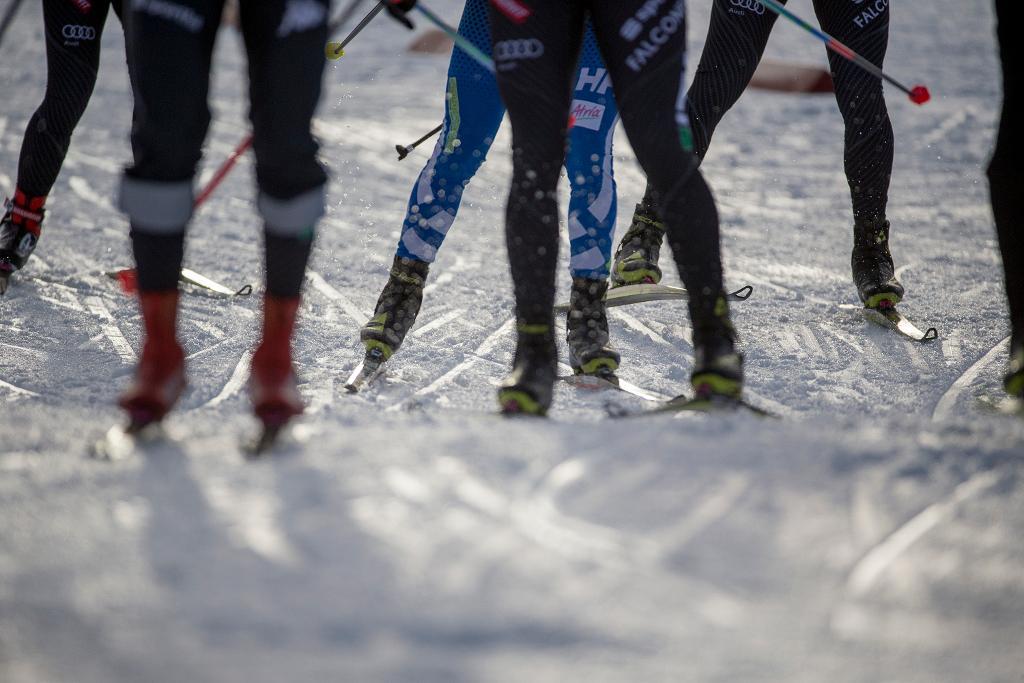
(407, 534)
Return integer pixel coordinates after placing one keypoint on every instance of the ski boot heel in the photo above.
(708, 384)
(586, 330)
(872, 266)
(20, 229)
(273, 387)
(520, 401)
(159, 383)
(603, 367)
(882, 302)
(529, 388)
(636, 259)
(717, 366)
(160, 376)
(397, 307)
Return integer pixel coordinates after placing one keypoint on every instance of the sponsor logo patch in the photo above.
(657, 36)
(872, 9)
(524, 48)
(74, 33)
(587, 115)
(746, 5)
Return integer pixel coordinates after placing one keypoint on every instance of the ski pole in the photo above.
(404, 151)
(918, 94)
(245, 144)
(460, 40)
(464, 45)
(337, 50)
(8, 18)
(224, 169)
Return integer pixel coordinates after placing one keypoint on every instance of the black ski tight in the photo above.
(72, 59)
(644, 49)
(736, 40)
(1004, 173)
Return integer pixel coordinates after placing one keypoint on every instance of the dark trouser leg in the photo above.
(286, 63)
(1005, 175)
(736, 40)
(646, 59)
(648, 88)
(72, 60)
(536, 61)
(868, 142)
(156, 191)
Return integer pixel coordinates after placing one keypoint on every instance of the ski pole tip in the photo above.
(334, 51)
(919, 94)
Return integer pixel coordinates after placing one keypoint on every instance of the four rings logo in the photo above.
(529, 48)
(73, 32)
(752, 5)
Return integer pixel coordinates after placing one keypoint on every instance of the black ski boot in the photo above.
(396, 310)
(636, 259)
(717, 366)
(20, 228)
(529, 388)
(1014, 380)
(873, 272)
(586, 329)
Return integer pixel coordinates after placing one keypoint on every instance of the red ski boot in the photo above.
(160, 376)
(272, 383)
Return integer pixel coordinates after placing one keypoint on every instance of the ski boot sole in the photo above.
(519, 402)
(883, 301)
(708, 384)
(598, 367)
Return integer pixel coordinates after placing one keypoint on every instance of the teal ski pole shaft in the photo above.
(460, 40)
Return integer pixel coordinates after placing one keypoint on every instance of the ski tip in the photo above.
(919, 94)
(742, 294)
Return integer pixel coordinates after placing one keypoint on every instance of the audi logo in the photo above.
(73, 32)
(752, 5)
(528, 48)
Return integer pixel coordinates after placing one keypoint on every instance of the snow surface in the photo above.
(874, 534)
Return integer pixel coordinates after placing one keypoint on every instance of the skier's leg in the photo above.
(592, 207)
(737, 36)
(170, 63)
(868, 142)
(535, 57)
(286, 63)
(645, 54)
(473, 112)
(72, 59)
(1005, 181)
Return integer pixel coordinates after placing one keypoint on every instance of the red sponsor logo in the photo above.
(84, 6)
(513, 10)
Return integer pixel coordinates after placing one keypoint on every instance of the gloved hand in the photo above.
(399, 8)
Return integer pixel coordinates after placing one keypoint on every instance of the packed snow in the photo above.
(407, 534)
